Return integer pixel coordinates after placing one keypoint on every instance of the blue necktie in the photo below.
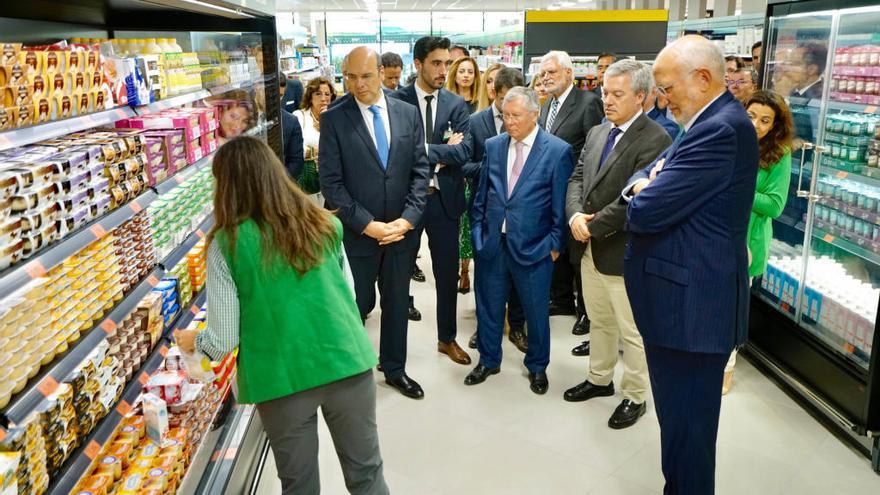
(609, 145)
(381, 138)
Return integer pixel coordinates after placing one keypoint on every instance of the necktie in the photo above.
(381, 138)
(554, 107)
(609, 145)
(429, 119)
(501, 118)
(518, 163)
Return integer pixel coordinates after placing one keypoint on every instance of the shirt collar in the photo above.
(495, 112)
(808, 86)
(564, 94)
(626, 125)
(422, 94)
(693, 120)
(366, 108)
(529, 140)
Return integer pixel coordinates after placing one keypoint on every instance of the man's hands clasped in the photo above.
(580, 228)
(388, 233)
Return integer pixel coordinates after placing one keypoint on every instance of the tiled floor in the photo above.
(500, 438)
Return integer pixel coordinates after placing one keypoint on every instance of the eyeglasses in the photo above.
(736, 84)
(664, 90)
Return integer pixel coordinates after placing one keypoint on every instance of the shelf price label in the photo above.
(144, 378)
(871, 109)
(123, 408)
(200, 234)
(194, 310)
(153, 281)
(108, 326)
(98, 230)
(48, 385)
(163, 350)
(135, 207)
(828, 238)
(35, 269)
(92, 450)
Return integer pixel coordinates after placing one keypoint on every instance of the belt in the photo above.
(432, 190)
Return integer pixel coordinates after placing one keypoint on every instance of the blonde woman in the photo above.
(538, 85)
(464, 80)
(487, 89)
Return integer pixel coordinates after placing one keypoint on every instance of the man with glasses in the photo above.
(742, 83)
(686, 266)
(374, 172)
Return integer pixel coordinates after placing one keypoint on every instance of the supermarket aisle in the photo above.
(500, 438)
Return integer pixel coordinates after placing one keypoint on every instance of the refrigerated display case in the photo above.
(814, 311)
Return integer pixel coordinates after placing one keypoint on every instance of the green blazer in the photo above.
(771, 192)
(296, 332)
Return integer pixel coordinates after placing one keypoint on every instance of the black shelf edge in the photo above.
(182, 176)
(14, 138)
(192, 239)
(50, 376)
(54, 254)
(80, 462)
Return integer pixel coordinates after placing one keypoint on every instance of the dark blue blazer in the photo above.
(535, 212)
(292, 139)
(354, 183)
(451, 109)
(482, 128)
(686, 264)
(293, 94)
(659, 116)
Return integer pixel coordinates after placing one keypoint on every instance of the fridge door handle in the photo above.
(801, 193)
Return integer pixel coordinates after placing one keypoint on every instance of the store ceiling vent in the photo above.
(202, 7)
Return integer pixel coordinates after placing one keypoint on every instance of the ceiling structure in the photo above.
(436, 5)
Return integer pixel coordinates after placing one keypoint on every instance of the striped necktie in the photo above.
(554, 107)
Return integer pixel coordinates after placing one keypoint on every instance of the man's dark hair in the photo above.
(467, 53)
(391, 59)
(507, 78)
(607, 54)
(758, 44)
(282, 80)
(411, 78)
(428, 44)
(815, 54)
(739, 62)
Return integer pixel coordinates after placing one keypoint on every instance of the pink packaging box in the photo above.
(189, 123)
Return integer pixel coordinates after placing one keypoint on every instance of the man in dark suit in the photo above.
(291, 137)
(602, 63)
(628, 142)
(569, 114)
(291, 92)
(445, 118)
(374, 172)
(518, 231)
(393, 67)
(686, 263)
(659, 115)
(486, 124)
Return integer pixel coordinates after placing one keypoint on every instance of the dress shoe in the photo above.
(582, 350)
(519, 339)
(479, 374)
(586, 391)
(379, 368)
(455, 353)
(464, 281)
(472, 343)
(414, 314)
(406, 386)
(582, 326)
(626, 414)
(560, 309)
(418, 275)
(538, 382)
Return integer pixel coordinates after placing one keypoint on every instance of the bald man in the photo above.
(686, 263)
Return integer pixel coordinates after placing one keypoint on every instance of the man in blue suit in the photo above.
(518, 231)
(658, 115)
(374, 172)
(487, 124)
(445, 117)
(686, 264)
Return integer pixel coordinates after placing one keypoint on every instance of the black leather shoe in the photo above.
(538, 383)
(582, 350)
(414, 314)
(472, 343)
(582, 326)
(479, 374)
(564, 310)
(626, 414)
(586, 391)
(406, 386)
(418, 275)
(519, 339)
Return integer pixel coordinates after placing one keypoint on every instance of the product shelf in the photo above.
(172, 102)
(45, 383)
(858, 246)
(54, 254)
(14, 138)
(82, 460)
(182, 176)
(203, 452)
(186, 316)
(180, 251)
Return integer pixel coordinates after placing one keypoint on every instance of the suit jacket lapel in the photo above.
(531, 162)
(489, 121)
(502, 159)
(565, 110)
(444, 107)
(591, 166)
(357, 120)
(625, 141)
(394, 123)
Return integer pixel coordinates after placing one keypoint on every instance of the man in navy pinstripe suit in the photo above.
(686, 265)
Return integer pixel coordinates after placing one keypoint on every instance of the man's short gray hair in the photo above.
(695, 52)
(528, 95)
(561, 57)
(641, 79)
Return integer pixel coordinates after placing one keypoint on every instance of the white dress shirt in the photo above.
(623, 128)
(423, 107)
(368, 118)
(497, 118)
(563, 96)
(528, 142)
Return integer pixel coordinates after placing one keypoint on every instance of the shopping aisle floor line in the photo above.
(500, 438)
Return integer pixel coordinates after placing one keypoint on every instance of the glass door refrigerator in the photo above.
(814, 311)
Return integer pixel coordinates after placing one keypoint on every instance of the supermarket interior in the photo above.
(111, 112)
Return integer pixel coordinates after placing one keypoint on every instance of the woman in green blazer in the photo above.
(773, 123)
(277, 291)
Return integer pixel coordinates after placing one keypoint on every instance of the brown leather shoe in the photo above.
(455, 353)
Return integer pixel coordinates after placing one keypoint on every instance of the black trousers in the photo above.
(687, 398)
(392, 270)
(443, 243)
